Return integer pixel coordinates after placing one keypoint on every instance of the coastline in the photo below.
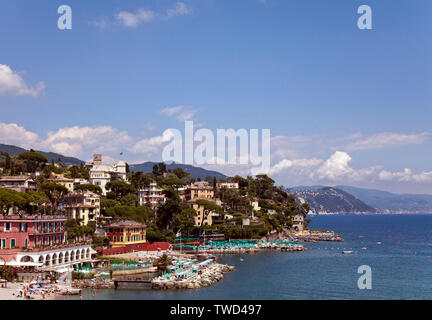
(11, 292)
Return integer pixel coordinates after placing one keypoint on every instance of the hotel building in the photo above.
(152, 195)
(126, 233)
(199, 190)
(39, 241)
(227, 185)
(100, 174)
(83, 205)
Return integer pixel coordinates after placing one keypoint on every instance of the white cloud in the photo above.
(170, 111)
(12, 83)
(280, 166)
(180, 9)
(151, 145)
(306, 162)
(11, 133)
(406, 176)
(101, 23)
(133, 19)
(130, 19)
(335, 167)
(76, 140)
(182, 113)
(387, 140)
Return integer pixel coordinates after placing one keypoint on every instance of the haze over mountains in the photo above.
(339, 199)
(388, 202)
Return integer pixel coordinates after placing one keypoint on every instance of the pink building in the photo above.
(38, 241)
(31, 231)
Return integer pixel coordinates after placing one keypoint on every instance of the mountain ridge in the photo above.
(195, 172)
(14, 150)
(330, 200)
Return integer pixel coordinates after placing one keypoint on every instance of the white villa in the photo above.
(100, 174)
(152, 195)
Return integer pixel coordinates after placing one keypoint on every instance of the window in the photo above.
(121, 239)
(7, 227)
(115, 239)
(2, 243)
(26, 243)
(13, 243)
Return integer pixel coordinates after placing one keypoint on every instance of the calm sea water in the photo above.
(401, 265)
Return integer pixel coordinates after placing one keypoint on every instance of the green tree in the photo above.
(180, 173)
(159, 169)
(169, 209)
(120, 188)
(89, 187)
(139, 180)
(173, 182)
(139, 214)
(54, 191)
(129, 200)
(32, 159)
(10, 199)
(185, 220)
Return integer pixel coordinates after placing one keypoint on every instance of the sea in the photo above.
(398, 252)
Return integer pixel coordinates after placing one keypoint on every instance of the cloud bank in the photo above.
(12, 83)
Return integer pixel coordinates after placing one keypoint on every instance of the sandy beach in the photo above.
(11, 293)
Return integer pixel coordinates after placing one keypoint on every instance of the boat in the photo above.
(364, 248)
(379, 242)
(347, 252)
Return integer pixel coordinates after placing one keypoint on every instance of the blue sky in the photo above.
(344, 105)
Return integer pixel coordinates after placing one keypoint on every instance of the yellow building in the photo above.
(65, 182)
(203, 216)
(124, 233)
(83, 205)
(199, 190)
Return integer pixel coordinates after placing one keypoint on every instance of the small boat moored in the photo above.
(347, 252)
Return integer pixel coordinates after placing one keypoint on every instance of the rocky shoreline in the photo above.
(319, 237)
(89, 284)
(207, 277)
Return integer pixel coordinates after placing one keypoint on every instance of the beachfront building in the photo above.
(100, 174)
(18, 183)
(82, 205)
(199, 190)
(39, 241)
(126, 233)
(203, 216)
(151, 195)
(228, 185)
(298, 222)
(65, 182)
